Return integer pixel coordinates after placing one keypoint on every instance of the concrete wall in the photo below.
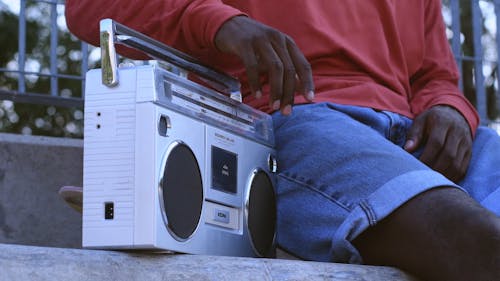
(32, 169)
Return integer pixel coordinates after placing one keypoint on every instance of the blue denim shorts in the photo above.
(341, 170)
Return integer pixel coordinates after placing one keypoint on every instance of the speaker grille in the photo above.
(182, 191)
(262, 214)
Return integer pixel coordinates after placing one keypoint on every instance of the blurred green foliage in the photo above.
(36, 119)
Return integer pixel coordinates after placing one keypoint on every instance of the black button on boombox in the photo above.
(224, 170)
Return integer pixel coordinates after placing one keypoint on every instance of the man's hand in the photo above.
(264, 49)
(447, 138)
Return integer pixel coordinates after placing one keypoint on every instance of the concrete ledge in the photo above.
(32, 169)
(39, 263)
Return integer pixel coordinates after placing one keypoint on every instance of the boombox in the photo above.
(170, 164)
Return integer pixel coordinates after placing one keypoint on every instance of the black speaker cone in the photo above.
(182, 191)
(262, 214)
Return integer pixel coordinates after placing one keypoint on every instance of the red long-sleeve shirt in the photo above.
(385, 54)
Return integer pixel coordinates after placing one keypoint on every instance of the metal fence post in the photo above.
(53, 48)
(477, 30)
(455, 40)
(22, 47)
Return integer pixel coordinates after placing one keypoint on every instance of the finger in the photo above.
(462, 159)
(274, 68)
(447, 162)
(457, 168)
(289, 75)
(251, 63)
(415, 135)
(303, 70)
(433, 146)
(465, 164)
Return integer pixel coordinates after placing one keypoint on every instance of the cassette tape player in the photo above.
(170, 164)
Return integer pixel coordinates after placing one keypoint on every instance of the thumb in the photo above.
(415, 135)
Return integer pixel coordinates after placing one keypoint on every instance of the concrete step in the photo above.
(44, 263)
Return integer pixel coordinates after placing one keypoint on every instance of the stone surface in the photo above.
(32, 169)
(39, 263)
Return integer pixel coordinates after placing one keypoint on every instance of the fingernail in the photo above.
(409, 144)
(287, 110)
(258, 94)
(310, 95)
(276, 105)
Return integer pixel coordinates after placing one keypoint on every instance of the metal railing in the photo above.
(452, 11)
(456, 7)
(54, 97)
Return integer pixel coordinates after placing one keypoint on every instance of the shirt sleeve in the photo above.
(436, 82)
(187, 25)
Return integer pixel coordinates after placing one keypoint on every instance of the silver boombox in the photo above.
(170, 164)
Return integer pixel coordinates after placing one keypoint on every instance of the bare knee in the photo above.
(441, 234)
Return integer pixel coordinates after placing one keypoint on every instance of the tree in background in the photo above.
(30, 118)
(490, 51)
(68, 122)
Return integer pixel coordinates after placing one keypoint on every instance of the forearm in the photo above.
(186, 25)
(436, 82)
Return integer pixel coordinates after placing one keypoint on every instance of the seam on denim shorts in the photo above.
(397, 129)
(365, 206)
(388, 132)
(316, 190)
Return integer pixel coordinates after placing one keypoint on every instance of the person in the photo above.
(381, 157)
